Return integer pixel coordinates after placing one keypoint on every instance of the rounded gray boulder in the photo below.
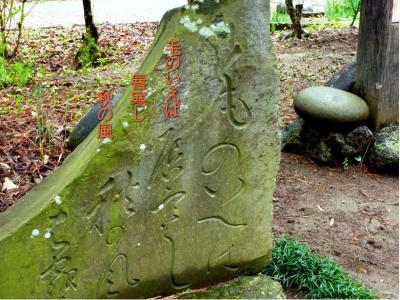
(330, 105)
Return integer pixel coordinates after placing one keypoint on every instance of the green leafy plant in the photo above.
(294, 265)
(338, 9)
(278, 17)
(89, 53)
(17, 73)
(18, 100)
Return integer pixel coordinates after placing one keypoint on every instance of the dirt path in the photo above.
(364, 236)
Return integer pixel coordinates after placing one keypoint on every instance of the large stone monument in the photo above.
(169, 203)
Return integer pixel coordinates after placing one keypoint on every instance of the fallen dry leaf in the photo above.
(8, 184)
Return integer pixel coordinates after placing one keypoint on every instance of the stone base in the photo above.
(247, 287)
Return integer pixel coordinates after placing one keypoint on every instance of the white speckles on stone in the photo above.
(187, 23)
(168, 52)
(206, 32)
(106, 141)
(142, 147)
(149, 90)
(184, 19)
(149, 188)
(57, 200)
(47, 234)
(184, 107)
(209, 32)
(161, 206)
(221, 27)
(125, 124)
(35, 233)
(141, 108)
(193, 6)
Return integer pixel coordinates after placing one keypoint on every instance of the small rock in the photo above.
(323, 153)
(374, 244)
(291, 221)
(337, 252)
(323, 105)
(359, 139)
(384, 154)
(291, 136)
(370, 241)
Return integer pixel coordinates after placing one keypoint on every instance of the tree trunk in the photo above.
(377, 74)
(90, 27)
(295, 14)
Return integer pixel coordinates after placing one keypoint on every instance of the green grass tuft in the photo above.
(294, 265)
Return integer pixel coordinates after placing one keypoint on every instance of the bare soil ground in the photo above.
(350, 215)
(362, 207)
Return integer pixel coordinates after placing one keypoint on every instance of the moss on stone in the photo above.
(121, 229)
(247, 287)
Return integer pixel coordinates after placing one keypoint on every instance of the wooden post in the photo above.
(377, 75)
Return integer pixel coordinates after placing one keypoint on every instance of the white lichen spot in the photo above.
(200, 1)
(166, 51)
(125, 124)
(47, 234)
(184, 107)
(150, 91)
(199, 21)
(216, 1)
(142, 147)
(35, 233)
(57, 200)
(221, 27)
(149, 188)
(161, 206)
(187, 6)
(206, 32)
(106, 141)
(187, 23)
(194, 7)
(138, 244)
(97, 150)
(141, 108)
